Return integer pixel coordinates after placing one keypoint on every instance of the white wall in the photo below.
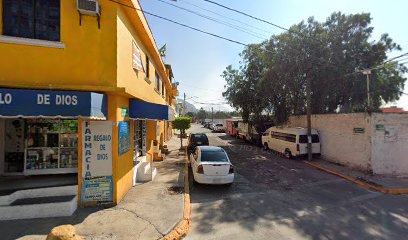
(2, 139)
(390, 145)
(338, 141)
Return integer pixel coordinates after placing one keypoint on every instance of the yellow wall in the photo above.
(132, 80)
(89, 56)
(122, 165)
(94, 60)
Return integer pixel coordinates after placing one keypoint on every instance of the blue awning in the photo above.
(46, 103)
(145, 110)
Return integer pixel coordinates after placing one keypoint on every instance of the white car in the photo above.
(219, 128)
(211, 165)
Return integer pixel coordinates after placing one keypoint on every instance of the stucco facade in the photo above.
(92, 59)
(369, 142)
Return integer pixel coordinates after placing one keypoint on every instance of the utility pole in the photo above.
(212, 115)
(367, 72)
(184, 105)
(309, 114)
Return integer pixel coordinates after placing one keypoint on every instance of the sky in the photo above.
(198, 60)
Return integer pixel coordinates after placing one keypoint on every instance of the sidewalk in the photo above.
(148, 211)
(385, 184)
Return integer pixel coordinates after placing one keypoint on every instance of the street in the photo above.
(276, 198)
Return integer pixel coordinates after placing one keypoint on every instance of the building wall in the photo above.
(390, 144)
(2, 139)
(87, 62)
(339, 143)
(122, 164)
(132, 80)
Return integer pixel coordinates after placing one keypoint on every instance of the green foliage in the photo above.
(182, 123)
(201, 114)
(272, 77)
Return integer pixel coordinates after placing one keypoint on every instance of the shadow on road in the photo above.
(295, 201)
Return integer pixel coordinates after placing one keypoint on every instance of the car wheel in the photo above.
(288, 154)
(266, 148)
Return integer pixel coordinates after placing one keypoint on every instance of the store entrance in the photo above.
(13, 146)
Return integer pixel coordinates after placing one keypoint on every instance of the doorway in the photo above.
(12, 134)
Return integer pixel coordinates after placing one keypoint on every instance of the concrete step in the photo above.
(38, 192)
(39, 203)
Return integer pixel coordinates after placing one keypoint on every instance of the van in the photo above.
(291, 142)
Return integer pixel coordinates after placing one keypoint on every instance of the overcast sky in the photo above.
(198, 60)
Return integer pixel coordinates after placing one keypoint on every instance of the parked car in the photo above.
(212, 126)
(219, 128)
(232, 125)
(290, 141)
(196, 139)
(211, 165)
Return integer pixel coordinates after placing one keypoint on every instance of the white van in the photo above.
(290, 141)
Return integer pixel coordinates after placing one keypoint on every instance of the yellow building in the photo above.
(83, 89)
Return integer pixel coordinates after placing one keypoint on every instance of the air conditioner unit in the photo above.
(88, 7)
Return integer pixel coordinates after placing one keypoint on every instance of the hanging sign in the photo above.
(97, 183)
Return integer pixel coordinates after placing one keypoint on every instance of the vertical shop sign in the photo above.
(97, 183)
(124, 137)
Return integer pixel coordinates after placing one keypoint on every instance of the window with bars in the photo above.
(36, 19)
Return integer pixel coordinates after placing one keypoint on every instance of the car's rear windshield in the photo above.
(214, 156)
(199, 138)
(303, 138)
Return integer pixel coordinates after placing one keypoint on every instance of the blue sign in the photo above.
(45, 103)
(124, 137)
(97, 189)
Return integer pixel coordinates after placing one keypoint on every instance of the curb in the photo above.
(183, 226)
(392, 191)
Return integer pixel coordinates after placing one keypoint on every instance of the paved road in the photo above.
(276, 198)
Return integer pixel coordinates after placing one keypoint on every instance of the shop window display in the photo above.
(51, 144)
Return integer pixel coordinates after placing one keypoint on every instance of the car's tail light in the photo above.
(297, 147)
(200, 169)
(231, 170)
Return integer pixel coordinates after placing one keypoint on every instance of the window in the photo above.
(284, 136)
(303, 138)
(198, 138)
(213, 156)
(147, 66)
(157, 82)
(37, 19)
(163, 89)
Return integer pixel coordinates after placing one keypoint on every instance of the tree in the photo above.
(182, 124)
(201, 115)
(271, 80)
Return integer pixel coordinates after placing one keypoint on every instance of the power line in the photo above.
(226, 17)
(248, 15)
(181, 24)
(399, 56)
(241, 29)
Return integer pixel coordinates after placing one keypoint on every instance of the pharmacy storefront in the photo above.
(39, 129)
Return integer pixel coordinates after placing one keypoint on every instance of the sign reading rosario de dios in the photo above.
(97, 183)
